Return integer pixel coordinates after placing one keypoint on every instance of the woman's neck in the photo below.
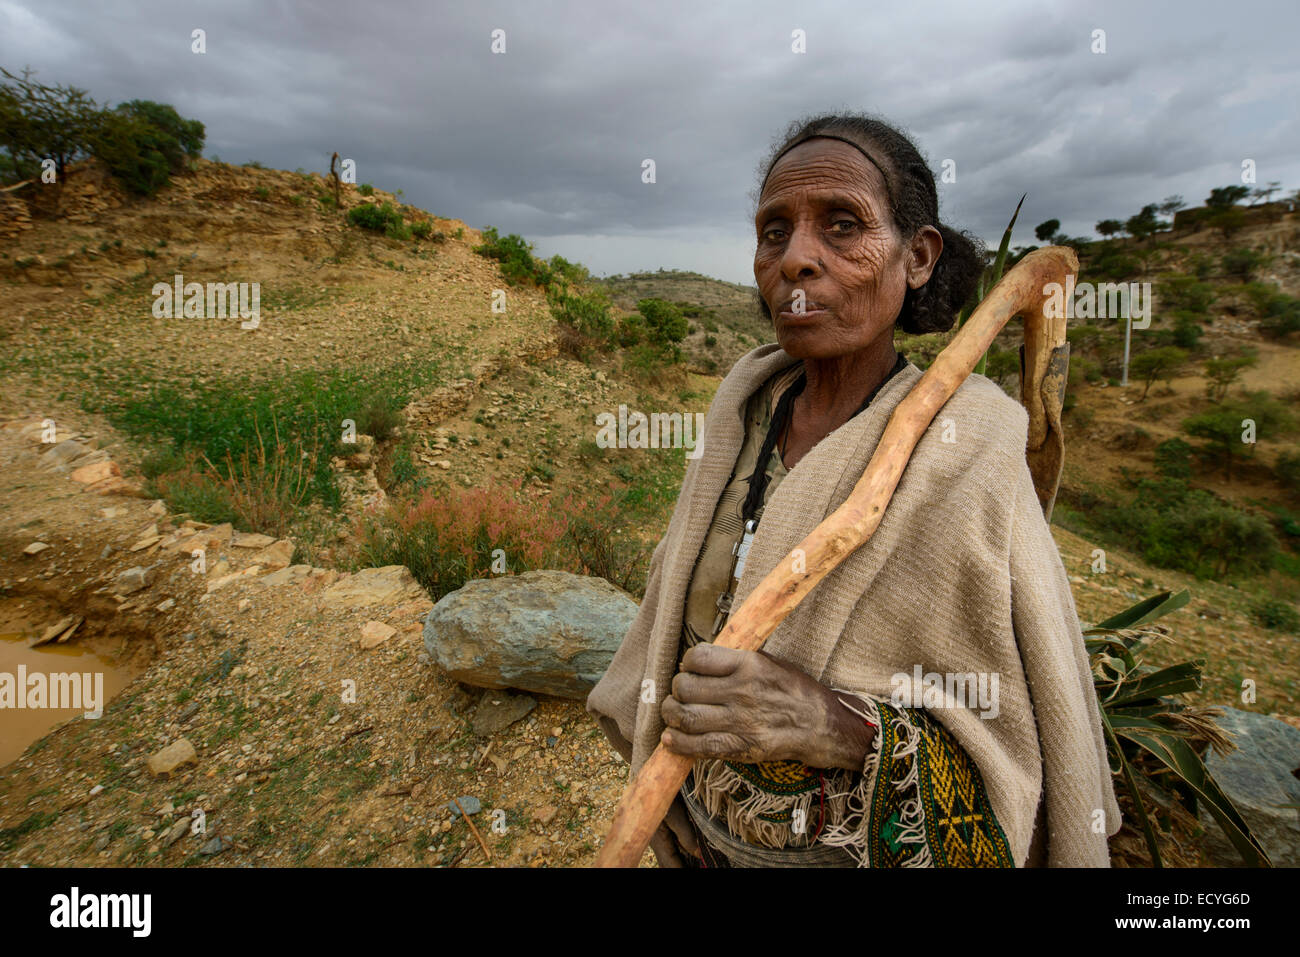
(835, 390)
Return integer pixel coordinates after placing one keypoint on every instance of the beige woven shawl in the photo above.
(961, 576)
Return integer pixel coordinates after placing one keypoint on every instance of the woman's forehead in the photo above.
(825, 170)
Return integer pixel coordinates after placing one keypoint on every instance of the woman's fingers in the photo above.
(712, 744)
(694, 718)
(679, 822)
(665, 848)
(713, 660)
(701, 689)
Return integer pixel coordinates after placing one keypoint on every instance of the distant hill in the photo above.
(725, 323)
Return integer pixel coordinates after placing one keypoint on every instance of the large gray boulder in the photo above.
(547, 632)
(1258, 777)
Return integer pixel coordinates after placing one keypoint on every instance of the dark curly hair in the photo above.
(913, 202)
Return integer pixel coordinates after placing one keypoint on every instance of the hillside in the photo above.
(398, 335)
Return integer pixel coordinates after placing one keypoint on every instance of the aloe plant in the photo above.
(1154, 738)
(992, 273)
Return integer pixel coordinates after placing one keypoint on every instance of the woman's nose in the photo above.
(801, 254)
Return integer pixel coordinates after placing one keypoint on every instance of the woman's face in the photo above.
(824, 227)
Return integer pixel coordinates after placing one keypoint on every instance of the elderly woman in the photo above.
(929, 703)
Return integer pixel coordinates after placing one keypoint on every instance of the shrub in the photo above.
(631, 330)
(365, 189)
(664, 322)
(143, 142)
(422, 229)
(1174, 459)
(376, 218)
(1279, 313)
(1112, 264)
(448, 538)
(1287, 470)
(1221, 426)
(1276, 614)
(1243, 263)
(130, 148)
(588, 314)
(1186, 292)
(515, 256)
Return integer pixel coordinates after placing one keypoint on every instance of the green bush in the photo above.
(1191, 530)
(1276, 614)
(130, 149)
(1287, 470)
(631, 330)
(1243, 263)
(1221, 427)
(588, 314)
(422, 229)
(380, 219)
(143, 142)
(664, 321)
(515, 256)
(365, 189)
(1174, 459)
(1112, 264)
(1185, 292)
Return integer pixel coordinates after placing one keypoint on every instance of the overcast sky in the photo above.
(547, 139)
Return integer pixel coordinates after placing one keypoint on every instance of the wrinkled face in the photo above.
(824, 227)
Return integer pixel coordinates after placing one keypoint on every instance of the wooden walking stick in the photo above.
(1021, 292)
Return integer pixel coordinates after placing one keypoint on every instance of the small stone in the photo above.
(552, 741)
(96, 789)
(556, 732)
(177, 753)
(167, 808)
(167, 604)
(250, 540)
(472, 805)
(101, 842)
(133, 580)
(545, 814)
(375, 633)
(214, 846)
(177, 832)
(35, 548)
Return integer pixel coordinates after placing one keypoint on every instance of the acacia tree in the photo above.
(1159, 363)
(1046, 230)
(1109, 227)
(39, 122)
(1222, 197)
(1171, 204)
(1143, 224)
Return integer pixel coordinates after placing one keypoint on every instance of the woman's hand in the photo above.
(675, 837)
(746, 706)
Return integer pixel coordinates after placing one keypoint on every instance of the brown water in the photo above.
(19, 727)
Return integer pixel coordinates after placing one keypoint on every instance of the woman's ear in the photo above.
(922, 254)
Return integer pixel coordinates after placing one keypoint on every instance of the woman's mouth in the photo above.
(809, 314)
(808, 309)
